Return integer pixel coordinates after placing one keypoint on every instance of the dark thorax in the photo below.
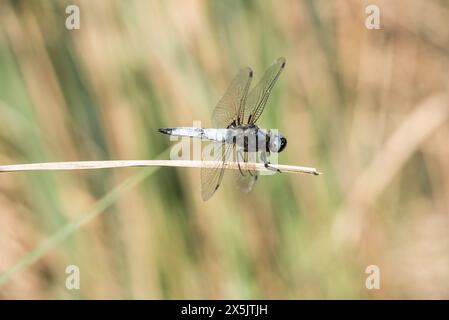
(248, 137)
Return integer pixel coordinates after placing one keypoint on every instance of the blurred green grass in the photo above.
(102, 92)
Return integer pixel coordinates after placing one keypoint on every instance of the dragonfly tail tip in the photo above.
(165, 130)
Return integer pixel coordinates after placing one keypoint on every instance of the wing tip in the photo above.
(282, 60)
(207, 195)
(248, 70)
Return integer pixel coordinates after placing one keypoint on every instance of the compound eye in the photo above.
(283, 144)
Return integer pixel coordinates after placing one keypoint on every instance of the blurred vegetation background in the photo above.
(366, 107)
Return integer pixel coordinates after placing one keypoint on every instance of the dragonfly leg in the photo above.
(266, 163)
(240, 154)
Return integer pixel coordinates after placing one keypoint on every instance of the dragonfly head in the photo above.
(277, 142)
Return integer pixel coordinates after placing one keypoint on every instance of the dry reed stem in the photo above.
(83, 165)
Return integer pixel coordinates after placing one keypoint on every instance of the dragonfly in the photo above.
(235, 133)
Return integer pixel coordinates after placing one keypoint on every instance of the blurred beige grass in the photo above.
(367, 107)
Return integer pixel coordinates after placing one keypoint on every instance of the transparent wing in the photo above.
(211, 177)
(258, 96)
(231, 106)
(245, 178)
